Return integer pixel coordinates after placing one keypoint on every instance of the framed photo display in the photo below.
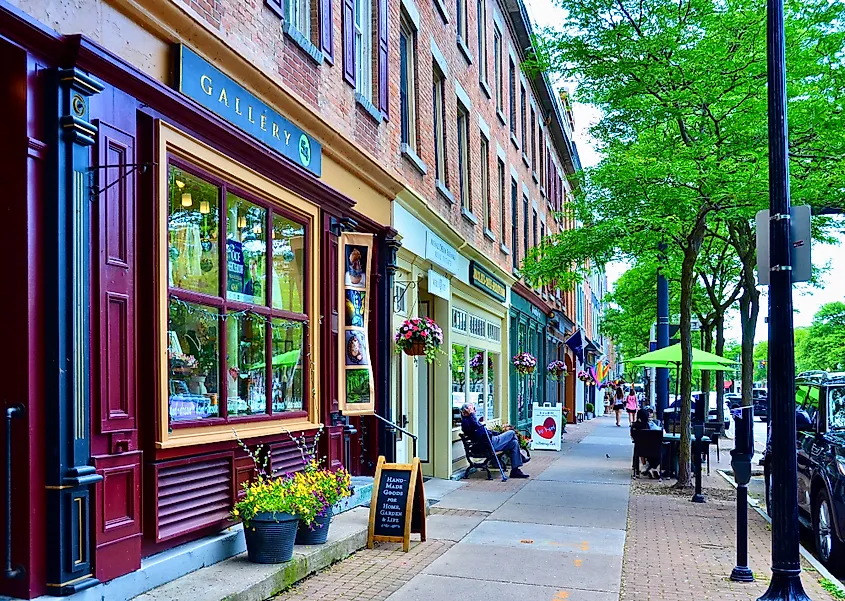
(356, 394)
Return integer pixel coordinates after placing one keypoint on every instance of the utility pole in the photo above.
(785, 584)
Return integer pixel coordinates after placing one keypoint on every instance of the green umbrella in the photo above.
(670, 356)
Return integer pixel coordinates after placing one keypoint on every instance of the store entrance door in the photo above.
(424, 408)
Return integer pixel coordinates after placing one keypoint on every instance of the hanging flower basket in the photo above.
(419, 336)
(525, 363)
(557, 370)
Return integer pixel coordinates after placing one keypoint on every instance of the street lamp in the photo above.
(786, 568)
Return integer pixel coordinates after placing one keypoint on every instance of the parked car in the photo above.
(760, 400)
(672, 413)
(733, 399)
(820, 421)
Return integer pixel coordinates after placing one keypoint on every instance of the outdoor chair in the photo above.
(647, 443)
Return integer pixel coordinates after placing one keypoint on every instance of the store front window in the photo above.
(459, 372)
(237, 330)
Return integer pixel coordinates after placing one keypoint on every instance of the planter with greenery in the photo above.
(589, 408)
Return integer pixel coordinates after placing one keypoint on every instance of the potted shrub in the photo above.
(328, 488)
(271, 510)
(525, 363)
(589, 409)
(556, 370)
(419, 336)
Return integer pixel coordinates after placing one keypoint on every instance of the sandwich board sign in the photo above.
(397, 507)
(546, 427)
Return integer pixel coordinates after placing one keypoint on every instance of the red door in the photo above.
(114, 429)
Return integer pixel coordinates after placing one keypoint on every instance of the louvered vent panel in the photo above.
(193, 495)
(285, 457)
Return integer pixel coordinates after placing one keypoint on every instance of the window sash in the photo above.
(523, 121)
(515, 223)
(223, 305)
(482, 40)
(512, 92)
(439, 130)
(497, 67)
(299, 16)
(502, 195)
(363, 49)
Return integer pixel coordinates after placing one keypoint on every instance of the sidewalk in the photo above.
(520, 539)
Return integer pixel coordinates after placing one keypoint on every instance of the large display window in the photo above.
(236, 305)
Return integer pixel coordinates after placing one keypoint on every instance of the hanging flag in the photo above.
(576, 344)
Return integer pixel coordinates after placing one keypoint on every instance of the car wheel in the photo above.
(828, 545)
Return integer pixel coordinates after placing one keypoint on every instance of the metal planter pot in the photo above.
(270, 537)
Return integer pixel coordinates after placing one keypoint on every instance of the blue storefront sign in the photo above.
(201, 81)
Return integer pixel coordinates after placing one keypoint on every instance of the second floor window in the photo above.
(525, 231)
(485, 182)
(515, 223)
(439, 127)
(502, 196)
(533, 141)
(299, 16)
(461, 19)
(523, 119)
(463, 158)
(408, 83)
(363, 24)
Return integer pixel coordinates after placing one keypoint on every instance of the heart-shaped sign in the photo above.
(547, 430)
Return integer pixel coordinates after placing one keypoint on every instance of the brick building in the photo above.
(148, 139)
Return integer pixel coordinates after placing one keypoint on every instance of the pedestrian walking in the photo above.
(619, 405)
(631, 405)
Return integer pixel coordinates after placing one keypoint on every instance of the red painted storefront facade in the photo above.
(134, 494)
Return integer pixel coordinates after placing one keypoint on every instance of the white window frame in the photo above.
(298, 13)
(363, 32)
(407, 30)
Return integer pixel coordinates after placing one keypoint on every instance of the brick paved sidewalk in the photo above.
(679, 550)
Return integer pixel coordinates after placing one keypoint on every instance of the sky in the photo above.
(806, 299)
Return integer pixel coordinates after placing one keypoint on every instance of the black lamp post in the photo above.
(786, 568)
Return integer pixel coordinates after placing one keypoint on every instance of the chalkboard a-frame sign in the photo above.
(398, 505)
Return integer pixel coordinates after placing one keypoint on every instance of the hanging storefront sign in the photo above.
(356, 394)
(440, 253)
(438, 285)
(546, 427)
(484, 280)
(201, 81)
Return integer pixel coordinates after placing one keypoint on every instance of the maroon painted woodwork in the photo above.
(192, 494)
(22, 164)
(117, 515)
(327, 30)
(244, 472)
(286, 457)
(334, 454)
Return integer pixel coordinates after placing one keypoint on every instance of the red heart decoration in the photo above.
(548, 429)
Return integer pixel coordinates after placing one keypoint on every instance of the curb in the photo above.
(811, 559)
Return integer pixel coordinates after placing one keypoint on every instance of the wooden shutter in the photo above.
(348, 14)
(327, 30)
(383, 82)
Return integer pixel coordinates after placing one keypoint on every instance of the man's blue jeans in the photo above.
(507, 441)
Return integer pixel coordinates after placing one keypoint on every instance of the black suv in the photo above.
(820, 421)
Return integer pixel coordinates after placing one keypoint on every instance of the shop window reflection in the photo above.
(246, 251)
(288, 264)
(246, 384)
(193, 362)
(288, 338)
(492, 392)
(459, 377)
(193, 222)
(476, 394)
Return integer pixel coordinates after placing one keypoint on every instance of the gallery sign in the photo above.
(355, 391)
(198, 79)
(486, 281)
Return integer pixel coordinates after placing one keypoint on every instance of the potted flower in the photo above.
(525, 363)
(584, 376)
(589, 408)
(476, 364)
(419, 336)
(271, 510)
(557, 370)
(328, 488)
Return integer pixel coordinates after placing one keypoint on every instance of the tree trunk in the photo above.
(687, 278)
(720, 375)
(706, 375)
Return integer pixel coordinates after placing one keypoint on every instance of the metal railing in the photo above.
(414, 437)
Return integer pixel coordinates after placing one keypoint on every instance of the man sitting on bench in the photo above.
(506, 441)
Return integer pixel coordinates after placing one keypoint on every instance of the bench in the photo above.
(482, 453)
